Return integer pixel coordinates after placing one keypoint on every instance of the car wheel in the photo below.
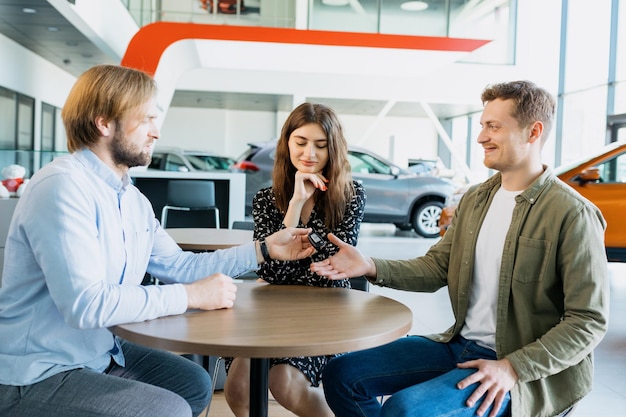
(426, 219)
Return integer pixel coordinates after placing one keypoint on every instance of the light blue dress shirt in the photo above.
(79, 244)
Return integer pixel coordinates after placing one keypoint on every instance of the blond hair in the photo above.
(107, 91)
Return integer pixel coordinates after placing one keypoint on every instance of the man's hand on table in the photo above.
(211, 293)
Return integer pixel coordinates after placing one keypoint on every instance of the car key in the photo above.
(317, 241)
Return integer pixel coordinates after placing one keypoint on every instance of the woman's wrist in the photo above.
(293, 214)
(296, 204)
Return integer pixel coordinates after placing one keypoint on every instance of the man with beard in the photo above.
(80, 242)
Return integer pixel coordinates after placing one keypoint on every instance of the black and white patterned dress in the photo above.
(268, 220)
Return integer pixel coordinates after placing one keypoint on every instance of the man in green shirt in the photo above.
(527, 276)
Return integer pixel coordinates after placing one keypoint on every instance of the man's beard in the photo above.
(123, 153)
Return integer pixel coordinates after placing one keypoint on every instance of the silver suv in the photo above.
(394, 195)
(176, 159)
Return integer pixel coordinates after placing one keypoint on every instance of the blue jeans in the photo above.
(418, 374)
(153, 383)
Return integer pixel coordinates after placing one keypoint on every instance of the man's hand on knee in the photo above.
(495, 379)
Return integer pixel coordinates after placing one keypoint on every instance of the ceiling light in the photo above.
(336, 2)
(29, 10)
(53, 28)
(414, 6)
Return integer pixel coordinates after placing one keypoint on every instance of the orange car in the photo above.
(601, 178)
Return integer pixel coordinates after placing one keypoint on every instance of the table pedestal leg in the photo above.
(259, 374)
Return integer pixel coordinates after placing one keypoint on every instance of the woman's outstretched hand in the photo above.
(347, 263)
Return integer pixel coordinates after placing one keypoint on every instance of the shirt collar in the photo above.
(91, 161)
(534, 190)
(530, 194)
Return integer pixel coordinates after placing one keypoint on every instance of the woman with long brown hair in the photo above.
(312, 187)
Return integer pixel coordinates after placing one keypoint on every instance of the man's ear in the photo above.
(106, 127)
(535, 132)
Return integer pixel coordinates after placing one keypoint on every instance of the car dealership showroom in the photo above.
(403, 77)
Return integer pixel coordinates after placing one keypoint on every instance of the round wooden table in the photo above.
(209, 239)
(278, 321)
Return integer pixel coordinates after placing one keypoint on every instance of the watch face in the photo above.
(317, 242)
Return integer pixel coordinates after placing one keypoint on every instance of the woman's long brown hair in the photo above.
(332, 202)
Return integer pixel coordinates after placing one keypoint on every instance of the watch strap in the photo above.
(264, 251)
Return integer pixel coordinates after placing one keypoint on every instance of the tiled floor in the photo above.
(432, 314)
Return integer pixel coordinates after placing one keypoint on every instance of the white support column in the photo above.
(381, 115)
(447, 141)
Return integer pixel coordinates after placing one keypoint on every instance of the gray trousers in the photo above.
(153, 383)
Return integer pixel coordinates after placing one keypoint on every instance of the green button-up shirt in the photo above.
(553, 296)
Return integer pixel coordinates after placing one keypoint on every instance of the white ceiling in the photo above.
(66, 47)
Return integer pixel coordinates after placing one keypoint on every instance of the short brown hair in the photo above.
(107, 91)
(532, 103)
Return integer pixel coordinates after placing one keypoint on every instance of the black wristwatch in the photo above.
(264, 251)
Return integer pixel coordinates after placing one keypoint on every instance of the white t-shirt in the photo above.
(480, 323)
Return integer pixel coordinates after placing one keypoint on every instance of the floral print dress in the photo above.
(268, 220)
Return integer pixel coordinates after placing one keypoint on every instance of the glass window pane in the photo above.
(621, 134)
(432, 21)
(497, 23)
(620, 74)
(587, 49)
(25, 133)
(47, 127)
(7, 119)
(343, 15)
(620, 98)
(60, 142)
(584, 123)
(25, 122)
(47, 133)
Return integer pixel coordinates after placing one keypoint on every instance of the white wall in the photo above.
(29, 74)
(225, 132)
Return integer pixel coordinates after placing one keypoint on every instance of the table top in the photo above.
(279, 321)
(209, 238)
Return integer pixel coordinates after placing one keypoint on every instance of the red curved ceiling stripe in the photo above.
(146, 47)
